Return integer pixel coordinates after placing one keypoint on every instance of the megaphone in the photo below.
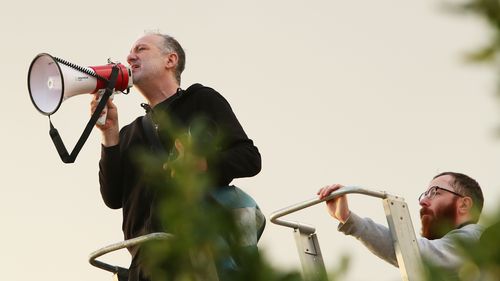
(52, 80)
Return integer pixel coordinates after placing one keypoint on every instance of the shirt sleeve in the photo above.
(441, 252)
(110, 176)
(376, 237)
(237, 156)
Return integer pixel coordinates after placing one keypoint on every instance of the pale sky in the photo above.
(370, 93)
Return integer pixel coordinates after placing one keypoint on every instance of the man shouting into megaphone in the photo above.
(157, 61)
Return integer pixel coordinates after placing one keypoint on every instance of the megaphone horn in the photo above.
(51, 80)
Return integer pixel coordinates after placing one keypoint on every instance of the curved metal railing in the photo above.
(121, 245)
(275, 217)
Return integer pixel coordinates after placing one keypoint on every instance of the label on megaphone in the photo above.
(76, 82)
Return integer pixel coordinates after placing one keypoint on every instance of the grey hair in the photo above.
(171, 45)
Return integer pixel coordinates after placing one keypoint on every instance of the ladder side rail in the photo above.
(404, 239)
(311, 259)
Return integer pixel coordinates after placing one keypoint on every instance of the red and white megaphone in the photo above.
(52, 80)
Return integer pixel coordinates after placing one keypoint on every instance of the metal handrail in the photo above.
(123, 244)
(275, 217)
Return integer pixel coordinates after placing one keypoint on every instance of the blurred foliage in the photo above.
(481, 259)
(206, 242)
(207, 236)
(489, 11)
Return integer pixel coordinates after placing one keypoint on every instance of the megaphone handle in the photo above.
(102, 119)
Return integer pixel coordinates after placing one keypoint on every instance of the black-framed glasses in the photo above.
(431, 193)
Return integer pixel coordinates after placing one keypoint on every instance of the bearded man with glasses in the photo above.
(450, 210)
(452, 201)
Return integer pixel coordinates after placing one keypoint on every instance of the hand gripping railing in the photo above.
(117, 270)
(400, 226)
(275, 217)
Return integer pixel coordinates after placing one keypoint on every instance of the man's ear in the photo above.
(465, 206)
(171, 60)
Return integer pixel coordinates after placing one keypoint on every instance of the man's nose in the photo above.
(131, 57)
(425, 202)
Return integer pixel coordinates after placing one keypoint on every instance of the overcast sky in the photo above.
(371, 93)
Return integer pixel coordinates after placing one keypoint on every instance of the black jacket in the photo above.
(120, 178)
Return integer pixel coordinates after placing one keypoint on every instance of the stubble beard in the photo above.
(146, 72)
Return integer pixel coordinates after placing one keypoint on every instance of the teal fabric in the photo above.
(246, 209)
(233, 197)
(251, 222)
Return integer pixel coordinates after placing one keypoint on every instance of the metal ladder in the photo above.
(398, 219)
(121, 274)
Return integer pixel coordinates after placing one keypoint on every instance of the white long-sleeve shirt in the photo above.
(440, 252)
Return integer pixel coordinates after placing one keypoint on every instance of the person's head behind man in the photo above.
(451, 200)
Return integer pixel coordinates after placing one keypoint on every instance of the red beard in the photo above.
(436, 224)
